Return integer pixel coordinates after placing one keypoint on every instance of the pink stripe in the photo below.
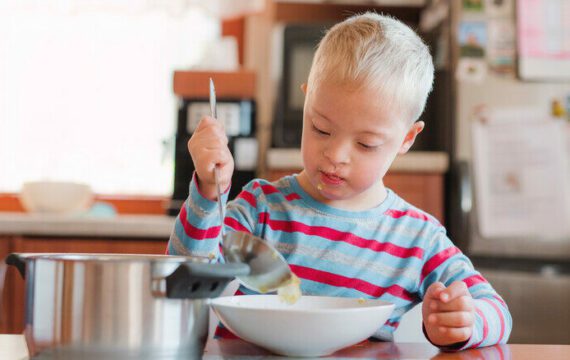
(396, 214)
(269, 189)
(393, 324)
(328, 278)
(293, 196)
(437, 260)
(247, 196)
(501, 318)
(224, 333)
(474, 280)
(500, 300)
(335, 235)
(485, 327)
(263, 218)
(236, 225)
(194, 232)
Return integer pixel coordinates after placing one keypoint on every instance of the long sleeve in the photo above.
(444, 262)
(197, 226)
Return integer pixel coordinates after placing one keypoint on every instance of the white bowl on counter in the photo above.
(58, 197)
(313, 326)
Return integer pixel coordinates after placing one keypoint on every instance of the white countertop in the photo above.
(13, 347)
(160, 226)
(121, 226)
(413, 161)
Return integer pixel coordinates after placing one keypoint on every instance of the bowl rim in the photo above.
(224, 302)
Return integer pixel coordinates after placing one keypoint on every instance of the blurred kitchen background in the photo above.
(106, 94)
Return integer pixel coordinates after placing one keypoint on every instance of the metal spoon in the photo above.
(269, 270)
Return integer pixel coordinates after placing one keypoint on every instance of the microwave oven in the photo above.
(296, 45)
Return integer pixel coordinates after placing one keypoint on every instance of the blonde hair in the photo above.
(381, 52)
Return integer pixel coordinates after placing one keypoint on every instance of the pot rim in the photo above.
(108, 257)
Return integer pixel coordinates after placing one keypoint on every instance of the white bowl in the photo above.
(55, 197)
(314, 326)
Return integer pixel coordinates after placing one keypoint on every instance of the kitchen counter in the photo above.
(122, 226)
(14, 347)
(413, 161)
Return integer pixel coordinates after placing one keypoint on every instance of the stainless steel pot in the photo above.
(102, 306)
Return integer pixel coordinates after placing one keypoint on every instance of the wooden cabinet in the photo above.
(6, 293)
(424, 190)
(12, 316)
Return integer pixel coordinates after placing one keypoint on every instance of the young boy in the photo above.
(342, 232)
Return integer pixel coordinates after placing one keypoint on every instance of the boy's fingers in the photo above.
(455, 290)
(210, 122)
(434, 290)
(455, 335)
(462, 303)
(204, 122)
(456, 319)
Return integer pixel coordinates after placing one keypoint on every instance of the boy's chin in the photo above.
(332, 194)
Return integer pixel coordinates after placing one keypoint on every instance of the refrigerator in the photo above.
(530, 272)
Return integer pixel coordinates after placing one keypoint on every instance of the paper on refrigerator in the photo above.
(521, 173)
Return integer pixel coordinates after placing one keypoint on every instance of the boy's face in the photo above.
(350, 139)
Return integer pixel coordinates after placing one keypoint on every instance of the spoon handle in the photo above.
(219, 193)
(216, 168)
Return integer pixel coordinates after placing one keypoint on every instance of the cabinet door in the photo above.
(424, 190)
(5, 286)
(66, 245)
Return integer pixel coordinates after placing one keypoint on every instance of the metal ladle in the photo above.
(268, 269)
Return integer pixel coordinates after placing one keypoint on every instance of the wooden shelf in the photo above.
(194, 84)
(299, 12)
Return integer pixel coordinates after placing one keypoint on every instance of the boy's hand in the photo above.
(448, 313)
(208, 147)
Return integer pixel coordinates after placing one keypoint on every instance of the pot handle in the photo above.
(199, 280)
(17, 261)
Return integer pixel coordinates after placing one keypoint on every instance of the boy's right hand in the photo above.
(208, 147)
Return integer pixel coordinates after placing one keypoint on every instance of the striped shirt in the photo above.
(392, 252)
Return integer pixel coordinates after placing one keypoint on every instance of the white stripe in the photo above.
(336, 257)
(177, 245)
(198, 211)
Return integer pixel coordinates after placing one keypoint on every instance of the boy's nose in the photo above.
(337, 154)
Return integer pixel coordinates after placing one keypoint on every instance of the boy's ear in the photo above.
(304, 88)
(410, 137)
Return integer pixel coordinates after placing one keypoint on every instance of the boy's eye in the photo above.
(368, 147)
(320, 131)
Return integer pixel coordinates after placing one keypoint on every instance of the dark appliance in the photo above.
(299, 45)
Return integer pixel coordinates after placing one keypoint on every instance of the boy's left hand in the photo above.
(448, 313)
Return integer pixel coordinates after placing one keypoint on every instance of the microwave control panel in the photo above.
(236, 116)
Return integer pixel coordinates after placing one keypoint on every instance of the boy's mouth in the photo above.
(331, 179)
